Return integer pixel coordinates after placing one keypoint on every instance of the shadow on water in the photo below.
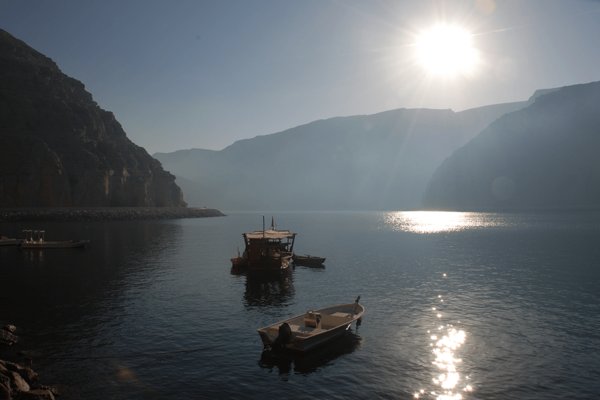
(239, 270)
(76, 296)
(304, 364)
(316, 268)
(269, 289)
(39, 256)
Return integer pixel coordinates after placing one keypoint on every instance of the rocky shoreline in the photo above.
(21, 383)
(104, 214)
(18, 382)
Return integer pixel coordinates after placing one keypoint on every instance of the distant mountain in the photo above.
(367, 162)
(59, 148)
(545, 156)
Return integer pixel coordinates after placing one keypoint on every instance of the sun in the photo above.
(447, 50)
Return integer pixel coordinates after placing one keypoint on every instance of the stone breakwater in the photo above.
(104, 214)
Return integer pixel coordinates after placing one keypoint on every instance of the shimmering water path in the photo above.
(458, 305)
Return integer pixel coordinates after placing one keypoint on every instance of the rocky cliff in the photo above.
(58, 148)
(545, 156)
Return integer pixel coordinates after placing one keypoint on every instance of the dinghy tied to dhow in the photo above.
(35, 240)
(308, 260)
(308, 331)
(239, 261)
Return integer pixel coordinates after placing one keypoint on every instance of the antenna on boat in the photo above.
(355, 304)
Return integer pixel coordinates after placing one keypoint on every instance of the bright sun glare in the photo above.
(447, 50)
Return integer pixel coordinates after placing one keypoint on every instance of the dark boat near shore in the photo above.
(308, 260)
(39, 243)
(5, 241)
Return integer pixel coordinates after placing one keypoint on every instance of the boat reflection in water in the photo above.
(238, 269)
(34, 256)
(269, 289)
(306, 363)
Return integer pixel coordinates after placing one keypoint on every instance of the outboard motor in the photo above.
(285, 335)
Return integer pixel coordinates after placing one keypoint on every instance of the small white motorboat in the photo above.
(305, 332)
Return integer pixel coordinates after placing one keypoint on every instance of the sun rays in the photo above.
(446, 50)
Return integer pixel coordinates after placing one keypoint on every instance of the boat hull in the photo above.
(309, 261)
(239, 262)
(307, 335)
(274, 264)
(311, 343)
(54, 245)
(10, 242)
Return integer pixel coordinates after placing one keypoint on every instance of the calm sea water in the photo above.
(458, 305)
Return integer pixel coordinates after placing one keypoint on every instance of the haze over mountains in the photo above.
(368, 162)
(59, 148)
(545, 156)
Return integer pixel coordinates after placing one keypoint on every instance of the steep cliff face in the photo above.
(545, 156)
(59, 148)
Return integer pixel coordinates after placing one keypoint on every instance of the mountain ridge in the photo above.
(381, 161)
(540, 157)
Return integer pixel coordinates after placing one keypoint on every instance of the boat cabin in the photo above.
(33, 236)
(269, 250)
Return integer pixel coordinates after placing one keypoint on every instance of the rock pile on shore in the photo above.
(18, 382)
(21, 383)
(7, 335)
(104, 214)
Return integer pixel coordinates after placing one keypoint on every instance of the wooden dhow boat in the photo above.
(308, 331)
(35, 240)
(269, 250)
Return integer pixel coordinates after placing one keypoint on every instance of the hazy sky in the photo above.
(203, 74)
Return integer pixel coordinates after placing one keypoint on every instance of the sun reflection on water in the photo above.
(446, 340)
(446, 361)
(438, 221)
